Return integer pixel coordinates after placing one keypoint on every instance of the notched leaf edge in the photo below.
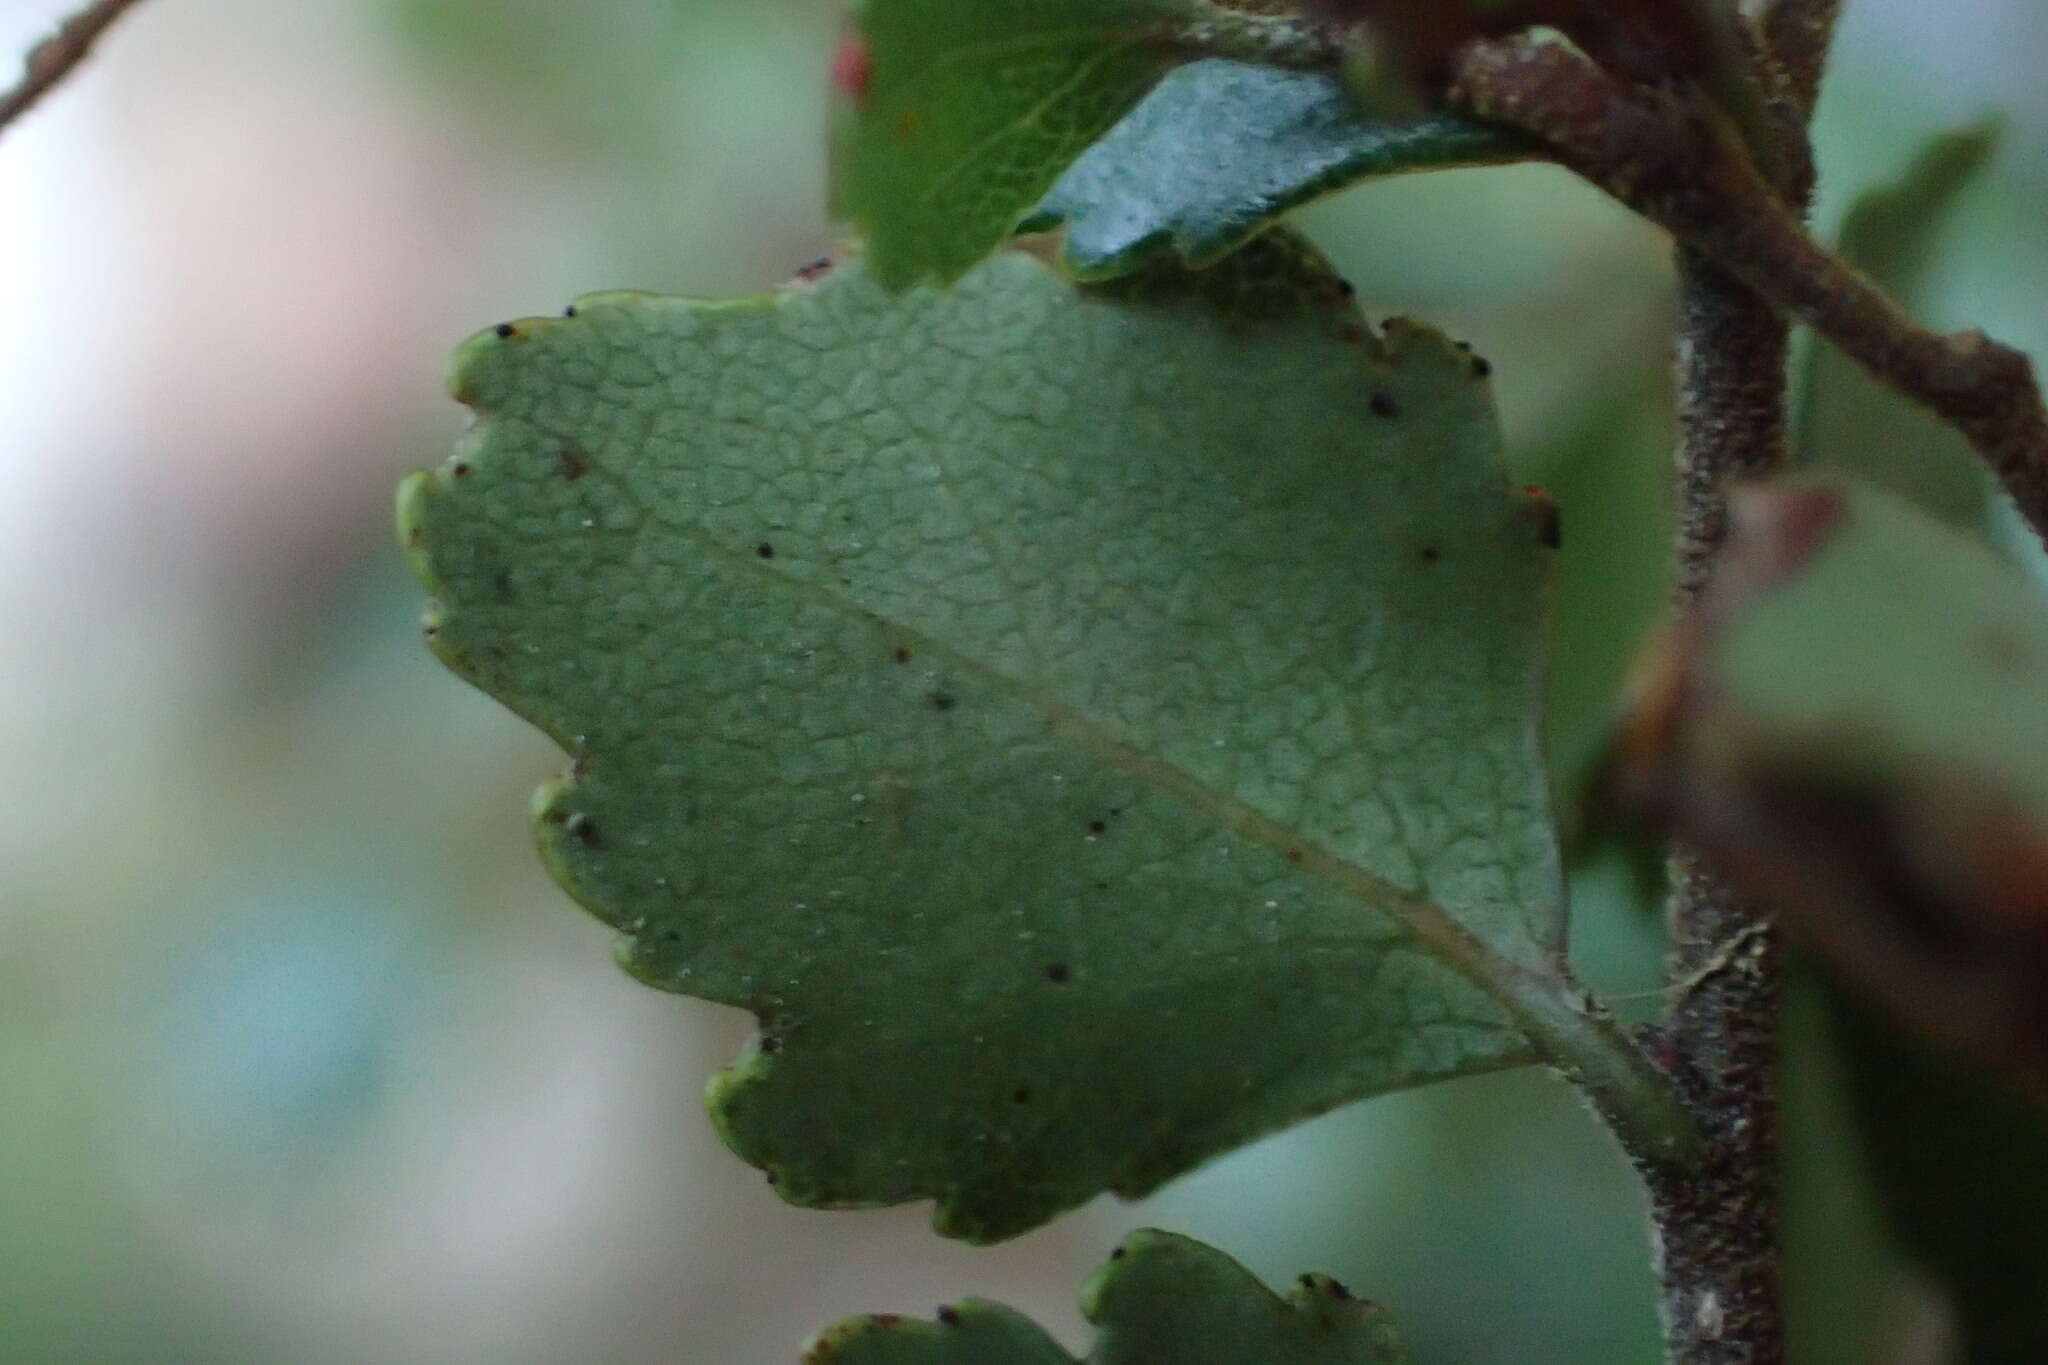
(565, 837)
(1149, 1276)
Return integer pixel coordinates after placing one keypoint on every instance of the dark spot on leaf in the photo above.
(944, 701)
(501, 585)
(949, 1315)
(432, 631)
(815, 270)
(1098, 826)
(1119, 1253)
(770, 1044)
(887, 1321)
(765, 550)
(1549, 521)
(1466, 347)
(1100, 886)
(772, 1177)
(1429, 554)
(570, 311)
(2001, 651)
(506, 331)
(581, 828)
(1481, 367)
(461, 469)
(1294, 856)
(1347, 288)
(902, 655)
(416, 537)
(1021, 1095)
(573, 462)
(1058, 973)
(1383, 405)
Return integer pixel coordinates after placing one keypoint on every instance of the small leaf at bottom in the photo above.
(1162, 1300)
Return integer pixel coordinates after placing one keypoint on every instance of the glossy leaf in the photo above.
(1162, 1300)
(1088, 729)
(1855, 424)
(966, 111)
(1221, 149)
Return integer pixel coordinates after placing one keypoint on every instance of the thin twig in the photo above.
(1800, 33)
(1734, 350)
(62, 53)
(1657, 154)
(1718, 1229)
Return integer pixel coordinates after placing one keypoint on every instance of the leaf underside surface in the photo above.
(1088, 728)
(971, 110)
(1222, 149)
(1162, 1300)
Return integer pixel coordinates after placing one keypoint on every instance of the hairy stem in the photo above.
(57, 56)
(1718, 1240)
(1655, 152)
(1799, 34)
(1717, 1226)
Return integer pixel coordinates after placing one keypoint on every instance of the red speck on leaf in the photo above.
(853, 67)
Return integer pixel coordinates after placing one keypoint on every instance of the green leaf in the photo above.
(1957, 1158)
(1088, 729)
(1162, 1300)
(972, 108)
(1855, 424)
(1222, 149)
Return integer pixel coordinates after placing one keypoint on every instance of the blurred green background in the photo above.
(301, 1056)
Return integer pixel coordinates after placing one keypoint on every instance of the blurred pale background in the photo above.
(301, 1056)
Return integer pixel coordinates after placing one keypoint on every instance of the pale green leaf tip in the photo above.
(970, 1332)
(413, 492)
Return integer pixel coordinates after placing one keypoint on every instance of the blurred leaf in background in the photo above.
(1851, 422)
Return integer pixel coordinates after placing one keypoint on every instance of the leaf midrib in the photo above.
(1430, 925)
